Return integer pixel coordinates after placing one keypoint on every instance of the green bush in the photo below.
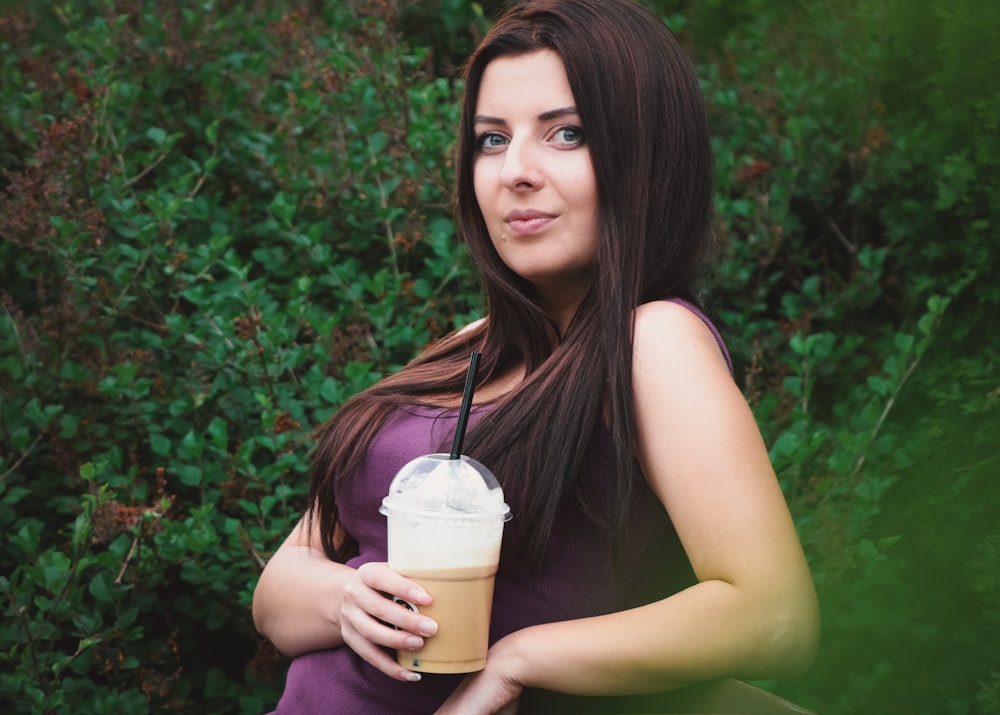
(856, 145)
(217, 225)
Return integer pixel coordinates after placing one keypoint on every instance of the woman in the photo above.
(651, 545)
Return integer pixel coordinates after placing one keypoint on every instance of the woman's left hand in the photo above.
(491, 691)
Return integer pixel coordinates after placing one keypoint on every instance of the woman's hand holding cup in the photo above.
(371, 617)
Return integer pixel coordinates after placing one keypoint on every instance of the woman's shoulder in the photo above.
(675, 313)
(665, 327)
(461, 335)
(471, 327)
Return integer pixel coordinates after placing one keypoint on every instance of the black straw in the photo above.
(463, 411)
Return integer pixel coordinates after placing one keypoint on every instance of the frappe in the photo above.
(445, 522)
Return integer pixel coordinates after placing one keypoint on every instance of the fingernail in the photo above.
(427, 627)
(419, 595)
(410, 676)
(414, 643)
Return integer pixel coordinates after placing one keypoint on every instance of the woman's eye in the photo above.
(491, 140)
(569, 135)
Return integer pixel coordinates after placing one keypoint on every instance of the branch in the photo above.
(29, 450)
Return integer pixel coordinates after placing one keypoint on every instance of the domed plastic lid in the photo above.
(435, 486)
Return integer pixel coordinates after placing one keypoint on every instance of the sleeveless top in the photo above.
(577, 576)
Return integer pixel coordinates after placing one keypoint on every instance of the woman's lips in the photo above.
(524, 223)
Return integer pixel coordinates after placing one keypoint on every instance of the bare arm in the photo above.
(753, 612)
(297, 601)
(305, 602)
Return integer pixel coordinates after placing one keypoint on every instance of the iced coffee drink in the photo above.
(445, 522)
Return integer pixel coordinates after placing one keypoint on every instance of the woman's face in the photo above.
(533, 177)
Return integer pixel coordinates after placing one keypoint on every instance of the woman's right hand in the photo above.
(306, 602)
(373, 617)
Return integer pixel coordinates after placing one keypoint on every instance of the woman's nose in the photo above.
(521, 170)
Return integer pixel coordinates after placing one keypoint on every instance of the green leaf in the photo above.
(212, 132)
(81, 529)
(190, 474)
(157, 136)
(793, 385)
(55, 567)
(88, 471)
(68, 425)
(218, 429)
(99, 587)
(879, 385)
(904, 343)
(87, 643)
(29, 536)
(192, 445)
(160, 444)
(283, 208)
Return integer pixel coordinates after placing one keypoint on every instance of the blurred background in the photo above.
(219, 220)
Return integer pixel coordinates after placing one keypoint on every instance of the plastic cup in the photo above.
(445, 522)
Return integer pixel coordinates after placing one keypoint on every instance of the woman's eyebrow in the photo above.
(557, 113)
(544, 116)
(483, 119)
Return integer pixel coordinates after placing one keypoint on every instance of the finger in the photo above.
(388, 624)
(383, 622)
(379, 659)
(379, 577)
(392, 607)
(368, 638)
(403, 616)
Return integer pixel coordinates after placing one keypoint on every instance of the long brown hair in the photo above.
(645, 127)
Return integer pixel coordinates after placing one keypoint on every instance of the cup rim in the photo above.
(501, 514)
